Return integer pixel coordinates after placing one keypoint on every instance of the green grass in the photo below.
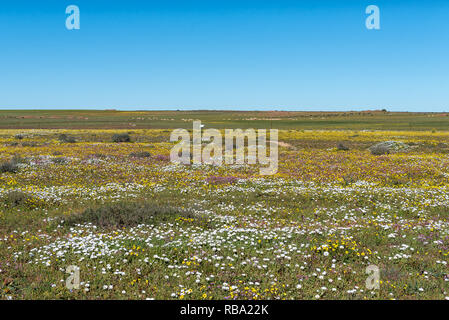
(97, 119)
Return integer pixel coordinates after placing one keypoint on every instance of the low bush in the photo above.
(126, 214)
(379, 150)
(59, 160)
(143, 154)
(9, 166)
(342, 147)
(30, 144)
(387, 147)
(14, 199)
(121, 137)
(66, 139)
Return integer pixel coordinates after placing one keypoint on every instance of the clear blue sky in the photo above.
(225, 54)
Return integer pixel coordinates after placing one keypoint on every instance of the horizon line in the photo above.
(218, 110)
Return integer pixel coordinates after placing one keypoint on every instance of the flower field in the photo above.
(223, 232)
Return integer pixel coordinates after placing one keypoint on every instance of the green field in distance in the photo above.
(109, 119)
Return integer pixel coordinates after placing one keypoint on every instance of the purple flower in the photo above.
(221, 180)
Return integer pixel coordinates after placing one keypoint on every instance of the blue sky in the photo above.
(259, 55)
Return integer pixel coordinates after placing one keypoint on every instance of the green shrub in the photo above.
(342, 147)
(143, 154)
(18, 198)
(125, 214)
(18, 159)
(66, 139)
(380, 150)
(9, 166)
(59, 160)
(15, 198)
(121, 137)
(30, 144)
